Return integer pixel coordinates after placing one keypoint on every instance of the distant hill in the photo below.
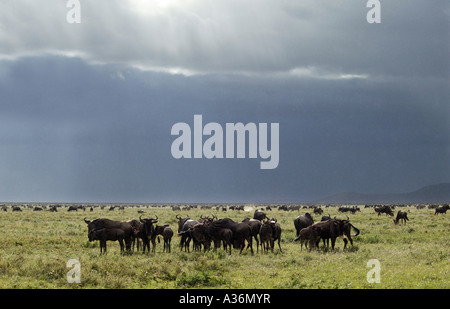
(438, 193)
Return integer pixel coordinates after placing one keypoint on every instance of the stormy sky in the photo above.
(86, 110)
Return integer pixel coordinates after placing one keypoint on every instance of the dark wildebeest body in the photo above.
(220, 235)
(147, 233)
(318, 210)
(266, 236)
(255, 226)
(328, 230)
(386, 209)
(441, 209)
(401, 215)
(185, 236)
(309, 234)
(331, 229)
(303, 221)
(167, 234)
(106, 234)
(345, 227)
(269, 232)
(111, 224)
(241, 233)
(259, 215)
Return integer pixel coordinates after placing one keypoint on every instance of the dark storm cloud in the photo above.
(86, 109)
(73, 131)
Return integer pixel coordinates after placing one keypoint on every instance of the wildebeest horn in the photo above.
(142, 220)
(87, 222)
(348, 219)
(178, 217)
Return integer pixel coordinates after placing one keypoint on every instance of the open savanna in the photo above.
(35, 247)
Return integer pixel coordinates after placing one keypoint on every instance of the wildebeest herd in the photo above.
(205, 232)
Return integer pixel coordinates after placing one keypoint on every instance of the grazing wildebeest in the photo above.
(441, 209)
(105, 234)
(386, 209)
(401, 215)
(318, 210)
(309, 234)
(303, 221)
(259, 215)
(111, 224)
(72, 208)
(16, 208)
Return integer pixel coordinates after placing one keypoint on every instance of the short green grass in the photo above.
(35, 247)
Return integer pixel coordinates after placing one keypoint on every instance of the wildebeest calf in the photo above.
(309, 234)
(107, 234)
(166, 233)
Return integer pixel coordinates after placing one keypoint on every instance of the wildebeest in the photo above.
(441, 209)
(184, 224)
(328, 230)
(147, 233)
(111, 224)
(255, 226)
(303, 221)
(16, 208)
(270, 232)
(200, 235)
(309, 234)
(241, 233)
(345, 227)
(318, 210)
(73, 208)
(331, 229)
(167, 236)
(401, 215)
(166, 232)
(386, 209)
(105, 234)
(259, 215)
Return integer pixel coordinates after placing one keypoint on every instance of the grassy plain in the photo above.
(35, 247)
